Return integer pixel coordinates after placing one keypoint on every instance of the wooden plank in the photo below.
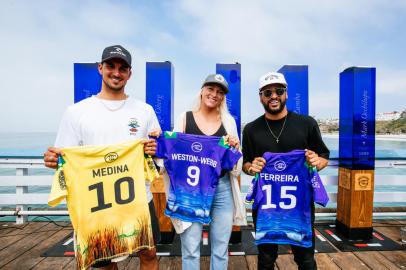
(71, 265)
(170, 263)
(375, 260)
(7, 227)
(347, 260)
(205, 262)
(391, 232)
(33, 256)
(54, 263)
(17, 249)
(237, 263)
(6, 241)
(397, 257)
(26, 228)
(252, 261)
(325, 262)
(286, 262)
(129, 264)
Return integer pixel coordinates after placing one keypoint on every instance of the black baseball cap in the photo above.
(116, 51)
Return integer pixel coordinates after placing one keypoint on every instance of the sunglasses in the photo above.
(268, 92)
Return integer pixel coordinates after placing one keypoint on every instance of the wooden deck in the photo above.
(21, 246)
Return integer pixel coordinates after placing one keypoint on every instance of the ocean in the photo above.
(34, 144)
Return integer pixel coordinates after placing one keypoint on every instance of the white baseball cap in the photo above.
(272, 78)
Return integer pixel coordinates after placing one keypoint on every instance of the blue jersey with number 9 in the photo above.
(282, 193)
(194, 164)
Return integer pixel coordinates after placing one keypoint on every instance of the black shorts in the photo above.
(155, 232)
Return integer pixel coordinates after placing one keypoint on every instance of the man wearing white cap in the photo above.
(281, 131)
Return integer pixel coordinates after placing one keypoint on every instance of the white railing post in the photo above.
(20, 191)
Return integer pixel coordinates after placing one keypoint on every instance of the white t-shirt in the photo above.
(94, 121)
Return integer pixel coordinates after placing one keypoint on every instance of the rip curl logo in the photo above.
(315, 183)
(197, 147)
(280, 165)
(118, 51)
(110, 157)
(219, 78)
(133, 124)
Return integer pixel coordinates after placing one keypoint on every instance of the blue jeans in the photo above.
(220, 231)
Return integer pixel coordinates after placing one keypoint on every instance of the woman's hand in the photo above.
(233, 141)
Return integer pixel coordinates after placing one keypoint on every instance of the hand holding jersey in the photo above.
(194, 164)
(104, 187)
(282, 194)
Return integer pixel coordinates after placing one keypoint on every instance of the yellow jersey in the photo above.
(104, 187)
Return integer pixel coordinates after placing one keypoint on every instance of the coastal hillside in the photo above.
(396, 126)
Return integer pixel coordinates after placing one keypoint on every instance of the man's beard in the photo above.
(273, 111)
(114, 88)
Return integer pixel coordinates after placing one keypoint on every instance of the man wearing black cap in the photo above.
(111, 117)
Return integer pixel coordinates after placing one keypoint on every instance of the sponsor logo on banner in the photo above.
(197, 147)
(280, 165)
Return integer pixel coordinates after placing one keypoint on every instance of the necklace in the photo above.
(283, 126)
(113, 109)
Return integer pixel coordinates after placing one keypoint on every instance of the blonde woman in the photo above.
(210, 116)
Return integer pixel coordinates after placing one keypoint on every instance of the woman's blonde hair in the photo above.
(223, 108)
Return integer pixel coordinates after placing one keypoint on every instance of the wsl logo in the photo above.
(280, 165)
(110, 157)
(197, 147)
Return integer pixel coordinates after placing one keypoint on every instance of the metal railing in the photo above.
(21, 180)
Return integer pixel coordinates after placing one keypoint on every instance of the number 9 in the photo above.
(194, 173)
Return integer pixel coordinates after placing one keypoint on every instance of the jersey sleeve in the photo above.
(150, 170)
(230, 157)
(319, 192)
(58, 189)
(161, 147)
(253, 196)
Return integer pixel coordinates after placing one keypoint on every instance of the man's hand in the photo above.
(51, 157)
(314, 160)
(150, 147)
(255, 166)
(155, 133)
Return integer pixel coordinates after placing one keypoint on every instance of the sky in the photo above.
(42, 39)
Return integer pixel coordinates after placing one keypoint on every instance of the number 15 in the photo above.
(284, 195)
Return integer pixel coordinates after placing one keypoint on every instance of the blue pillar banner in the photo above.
(357, 118)
(232, 74)
(297, 77)
(87, 80)
(160, 83)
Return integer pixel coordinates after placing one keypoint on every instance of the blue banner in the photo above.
(357, 118)
(232, 74)
(87, 80)
(159, 87)
(297, 77)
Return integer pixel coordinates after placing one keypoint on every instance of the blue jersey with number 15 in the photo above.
(282, 193)
(194, 164)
